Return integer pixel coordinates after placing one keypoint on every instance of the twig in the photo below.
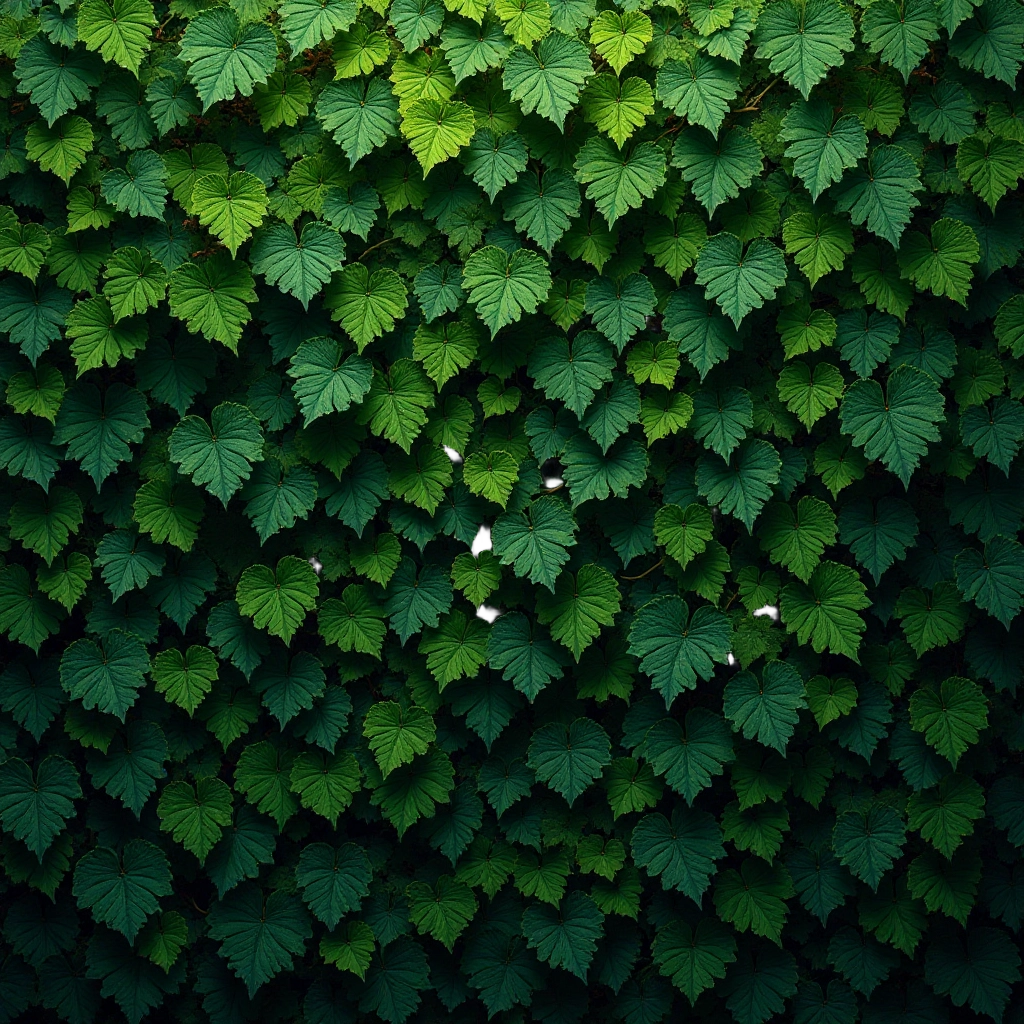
(755, 103)
(199, 908)
(375, 246)
(660, 562)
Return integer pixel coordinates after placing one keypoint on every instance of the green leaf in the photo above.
(543, 207)
(437, 130)
(572, 372)
(325, 380)
(359, 115)
(797, 541)
(524, 653)
(618, 108)
(218, 455)
(212, 296)
(259, 934)
(494, 160)
(226, 57)
(395, 735)
(106, 675)
(503, 286)
(767, 708)
(949, 716)
(990, 41)
(185, 678)
(569, 758)
(34, 806)
(548, 81)
(943, 262)
(753, 898)
(354, 623)
(195, 817)
(683, 532)
(470, 49)
(694, 958)
(350, 948)
(717, 168)
(127, 561)
(122, 889)
(306, 23)
(810, 393)
(394, 406)
(991, 166)
(325, 784)
(230, 206)
(740, 280)
(618, 182)
(333, 879)
(618, 38)
(416, 599)
(57, 79)
(119, 30)
(681, 850)
(803, 39)
(442, 911)
(869, 842)
(824, 610)
(699, 90)
(741, 486)
(675, 648)
(878, 533)
(367, 305)
(821, 145)
(278, 601)
(900, 32)
(566, 935)
(880, 192)
(895, 426)
(945, 814)
(931, 619)
(994, 580)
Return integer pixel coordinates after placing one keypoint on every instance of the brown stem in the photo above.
(367, 252)
(660, 562)
(755, 103)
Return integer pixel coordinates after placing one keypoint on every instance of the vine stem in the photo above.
(755, 103)
(376, 245)
(657, 565)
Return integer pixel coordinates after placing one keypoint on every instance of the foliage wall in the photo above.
(719, 306)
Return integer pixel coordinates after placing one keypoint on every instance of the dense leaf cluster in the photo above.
(711, 310)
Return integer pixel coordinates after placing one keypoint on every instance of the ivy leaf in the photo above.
(123, 889)
(278, 601)
(942, 263)
(821, 145)
(548, 81)
(878, 534)
(880, 192)
(397, 735)
(569, 758)
(741, 486)
(442, 911)
(699, 90)
(868, 842)
(931, 619)
(765, 708)
(618, 108)
(797, 541)
(34, 806)
(566, 935)
(802, 39)
(325, 783)
(543, 207)
(524, 654)
(675, 648)
(990, 41)
(197, 816)
(740, 280)
(367, 305)
(824, 610)
(945, 814)
(360, 115)
(259, 934)
(185, 678)
(694, 958)
(993, 580)
(494, 160)
(950, 717)
(119, 30)
(437, 130)
(333, 879)
(225, 56)
(896, 426)
(681, 850)
(306, 23)
(416, 599)
(618, 38)
(900, 32)
(106, 675)
(991, 166)
(617, 182)
(218, 454)
(717, 168)
(212, 298)
(504, 285)
(57, 79)
(995, 431)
